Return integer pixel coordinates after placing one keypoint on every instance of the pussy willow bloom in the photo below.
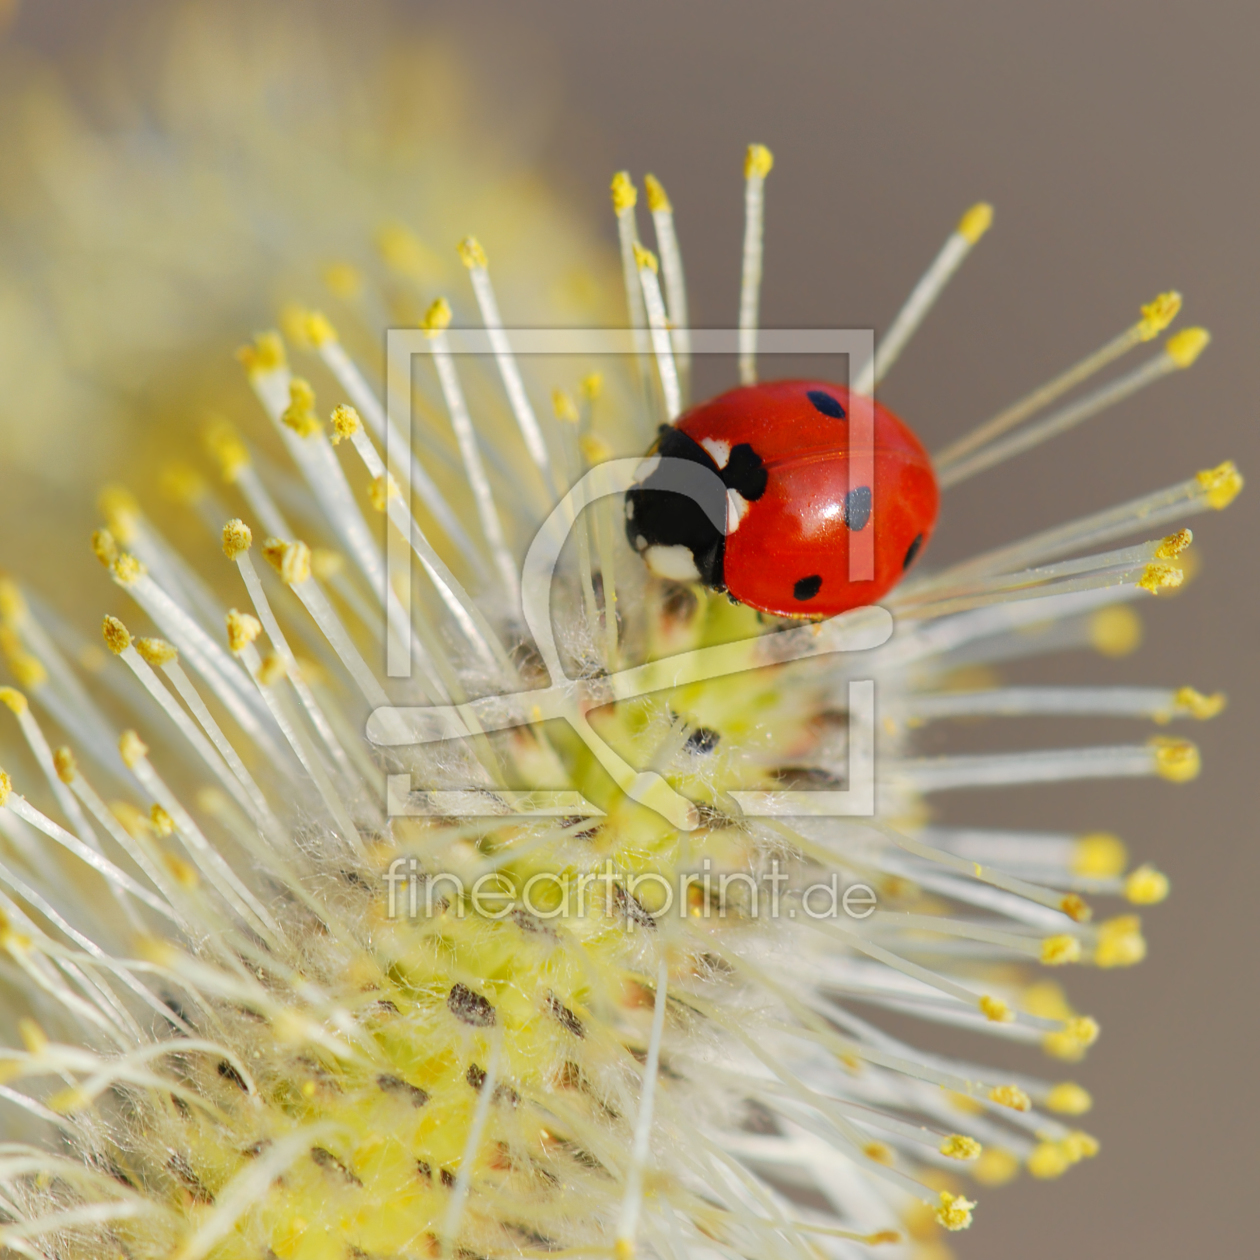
(475, 895)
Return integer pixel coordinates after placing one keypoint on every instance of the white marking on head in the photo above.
(639, 542)
(676, 564)
(720, 451)
(629, 508)
(736, 508)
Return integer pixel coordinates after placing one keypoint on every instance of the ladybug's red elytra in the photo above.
(782, 451)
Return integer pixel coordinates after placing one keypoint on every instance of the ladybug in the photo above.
(781, 450)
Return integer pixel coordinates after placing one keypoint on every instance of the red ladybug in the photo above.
(782, 452)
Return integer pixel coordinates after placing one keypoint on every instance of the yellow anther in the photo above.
(121, 511)
(326, 564)
(1146, 886)
(1120, 942)
(264, 356)
(28, 670)
(996, 1167)
(127, 569)
(318, 329)
(644, 258)
(623, 1249)
(594, 449)
(132, 749)
(34, 1038)
(471, 254)
(184, 872)
(346, 423)
(382, 489)
(996, 1010)
(299, 415)
(437, 319)
(238, 538)
(225, 446)
(406, 253)
(959, 1146)
(1174, 545)
(624, 193)
(758, 161)
(1010, 1096)
(879, 1153)
(6, 787)
(1061, 949)
(1076, 908)
(1115, 631)
(1099, 855)
(564, 407)
(343, 279)
(163, 823)
(1160, 575)
(1079, 1145)
(954, 1212)
(1157, 315)
(65, 765)
(242, 630)
(182, 484)
(1197, 705)
(1069, 1099)
(1176, 760)
(1221, 484)
(272, 670)
(592, 386)
(1048, 1160)
(13, 700)
(133, 821)
(1081, 1029)
(293, 318)
(976, 222)
(12, 603)
(656, 196)
(117, 636)
(1185, 346)
(291, 560)
(156, 652)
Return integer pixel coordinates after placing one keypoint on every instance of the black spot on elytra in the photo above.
(857, 508)
(807, 587)
(912, 552)
(702, 740)
(470, 1007)
(396, 1085)
(825, 403)
(745, 473)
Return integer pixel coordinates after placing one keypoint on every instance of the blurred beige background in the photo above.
(1115, 138)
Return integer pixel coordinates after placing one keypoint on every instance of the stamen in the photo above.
(658, 322)
(474, 258)
(971, 227)
(1155, 317)
(628, 1225)
(675, 282)
(624, 198)
(349, 376)
(1180, 351)
(436, 322)
(758, 162)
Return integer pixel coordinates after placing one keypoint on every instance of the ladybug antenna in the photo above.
(971, 227)
(1155, 316)
(1180, 351)
(757, 164)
